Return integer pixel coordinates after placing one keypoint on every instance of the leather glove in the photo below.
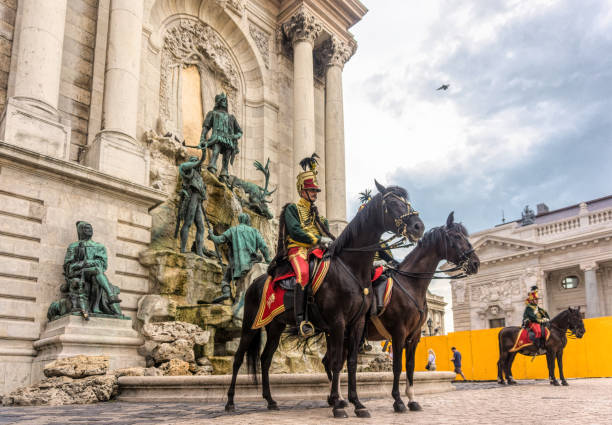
(379, 263)
(325, 242)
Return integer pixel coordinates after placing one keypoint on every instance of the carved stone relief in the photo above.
(236, 6)
(262, 41)
(191, 42)
(459, 289)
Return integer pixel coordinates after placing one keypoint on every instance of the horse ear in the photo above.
(570, 308)
(450, 219)
(380, 187)
(578, 309)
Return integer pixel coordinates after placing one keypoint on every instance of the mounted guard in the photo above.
(535, 319)
(301, 228)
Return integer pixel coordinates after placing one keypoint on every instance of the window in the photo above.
(569, 282)
(497, 323)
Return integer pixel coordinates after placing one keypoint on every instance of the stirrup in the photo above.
(306, 333)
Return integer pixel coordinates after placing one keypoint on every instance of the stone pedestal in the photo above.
(118, 155)
(36, 127)
(72, 335)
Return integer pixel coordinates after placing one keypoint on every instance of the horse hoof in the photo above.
(273, 406)
(501, 382)
(230, 408)
(340, 414)
(399, 407)
(564, 383)
(555, 383)
(414, 406)
(362, 413)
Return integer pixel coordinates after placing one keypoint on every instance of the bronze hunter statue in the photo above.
(86, 289)
(223, 138)
(190, 210)
(245, 243)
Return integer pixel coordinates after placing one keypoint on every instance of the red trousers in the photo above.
(537, 329)
(299, 262)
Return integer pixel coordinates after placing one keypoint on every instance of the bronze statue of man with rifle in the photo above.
(223, 138)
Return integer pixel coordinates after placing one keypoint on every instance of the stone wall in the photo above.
(40, 201)
(77, 69)
(8, 10)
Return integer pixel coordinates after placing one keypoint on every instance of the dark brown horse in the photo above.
(343, 299)
(406, 313)
(570, 319)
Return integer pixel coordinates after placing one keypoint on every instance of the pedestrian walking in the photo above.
(431, 360)
(457, 362)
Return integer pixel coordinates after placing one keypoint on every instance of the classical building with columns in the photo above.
(567, 253)
(92, 92)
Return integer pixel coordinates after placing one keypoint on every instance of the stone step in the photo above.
(290, 386)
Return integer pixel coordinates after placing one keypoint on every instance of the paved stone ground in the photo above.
(586, 401)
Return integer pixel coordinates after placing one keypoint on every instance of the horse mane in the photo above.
(362, 219)
(436, 235)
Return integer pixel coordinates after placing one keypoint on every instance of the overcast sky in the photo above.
(527, 117)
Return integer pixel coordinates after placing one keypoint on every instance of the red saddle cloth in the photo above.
(522, 339)
(272, 301)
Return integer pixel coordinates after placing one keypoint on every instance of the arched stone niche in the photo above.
(191, 43)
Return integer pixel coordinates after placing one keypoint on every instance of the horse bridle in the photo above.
(401, 228)
(464, 257)
(464, 260)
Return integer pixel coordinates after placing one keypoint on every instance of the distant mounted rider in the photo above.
(535, 318)
(301, 228)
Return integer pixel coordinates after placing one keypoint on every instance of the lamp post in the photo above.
(430, 326)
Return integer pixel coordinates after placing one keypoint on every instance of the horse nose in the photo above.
(418, 227)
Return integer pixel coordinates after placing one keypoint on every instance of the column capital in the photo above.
(336, 52)
(592, 265)
(302, 26)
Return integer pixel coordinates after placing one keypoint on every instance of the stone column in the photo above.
(591, 290)
(115, 149)
(31, 118)
(302, 29)
(337, 53)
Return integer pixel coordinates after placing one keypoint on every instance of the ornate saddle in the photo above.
(278, 290)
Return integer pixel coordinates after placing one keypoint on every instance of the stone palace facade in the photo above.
(567, 253)
(93, 92)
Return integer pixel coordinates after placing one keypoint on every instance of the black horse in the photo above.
(570, 319)
(404, 316)
(343, 299)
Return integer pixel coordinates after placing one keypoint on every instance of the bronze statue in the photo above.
(193, 193)
(257, 196)
(223, 138)
(86, 289)
(245, 242)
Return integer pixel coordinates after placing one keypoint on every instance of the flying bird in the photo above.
(443, 87)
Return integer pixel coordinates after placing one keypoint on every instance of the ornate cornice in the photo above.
(302, 26)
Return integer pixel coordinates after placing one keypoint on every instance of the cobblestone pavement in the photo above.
(585, 401)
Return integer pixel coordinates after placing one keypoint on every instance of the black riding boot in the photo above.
(305, 328)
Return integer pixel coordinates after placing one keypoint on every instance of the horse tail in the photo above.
(252, 298)
(253, 354)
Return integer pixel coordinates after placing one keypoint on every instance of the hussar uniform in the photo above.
(302, 228)
(535, 318)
